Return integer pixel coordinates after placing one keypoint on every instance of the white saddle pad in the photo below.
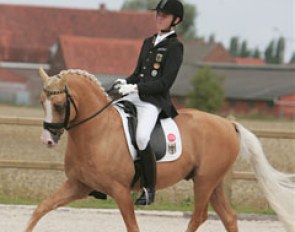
(172, 137)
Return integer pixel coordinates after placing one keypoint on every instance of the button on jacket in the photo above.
(156, 71)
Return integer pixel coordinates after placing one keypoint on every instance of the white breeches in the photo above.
(147, 115)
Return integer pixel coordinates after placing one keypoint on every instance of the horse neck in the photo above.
(89, 98)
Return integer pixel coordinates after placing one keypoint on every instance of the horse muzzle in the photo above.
(47, 139)
(52, 133)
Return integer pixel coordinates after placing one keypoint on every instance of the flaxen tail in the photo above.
(278, 187)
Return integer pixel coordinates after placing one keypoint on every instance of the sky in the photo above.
(256, 21)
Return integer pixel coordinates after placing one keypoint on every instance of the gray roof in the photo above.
(248, 82)
(196, 51)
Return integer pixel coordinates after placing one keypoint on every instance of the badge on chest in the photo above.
(159, 57)
(154, 73)
(157, 64)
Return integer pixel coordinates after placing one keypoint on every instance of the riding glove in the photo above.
(127, 89)
(118, 83)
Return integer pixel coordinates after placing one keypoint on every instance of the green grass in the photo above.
(252, 210)
(103, 204)
(16, 201)
(161, 204)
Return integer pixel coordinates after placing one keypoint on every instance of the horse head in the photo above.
(60, 108)
(56, 101)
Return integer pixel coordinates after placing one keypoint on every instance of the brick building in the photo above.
(100, 42)
(259, 89)
(28, 33)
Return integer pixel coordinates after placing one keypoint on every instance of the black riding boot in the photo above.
(148, 165)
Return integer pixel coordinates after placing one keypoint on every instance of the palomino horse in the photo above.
(97, 155)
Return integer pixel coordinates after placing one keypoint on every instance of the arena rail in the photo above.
(37, 165)
(53, 166)
(22, 121)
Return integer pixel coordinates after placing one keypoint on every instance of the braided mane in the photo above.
(84, 74)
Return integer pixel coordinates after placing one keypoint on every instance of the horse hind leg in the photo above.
(67, 193)
(202, 193)
(223, 208)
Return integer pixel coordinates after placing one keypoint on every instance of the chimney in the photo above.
(102, 7)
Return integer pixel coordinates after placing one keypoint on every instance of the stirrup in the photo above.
(146, 198)
(146, 195)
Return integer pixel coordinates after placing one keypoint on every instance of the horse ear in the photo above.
(43, 74)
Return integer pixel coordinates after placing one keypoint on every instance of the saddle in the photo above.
(165, 138)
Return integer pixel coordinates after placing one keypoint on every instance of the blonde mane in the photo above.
(84, 74)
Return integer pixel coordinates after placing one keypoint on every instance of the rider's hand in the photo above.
(117, 84)
(127, 89)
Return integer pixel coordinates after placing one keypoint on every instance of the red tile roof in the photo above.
(9, 76)
(249, 61)
(219, 54)
(99, 55)
(33, 30)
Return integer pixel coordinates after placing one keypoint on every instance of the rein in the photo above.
(57, 128)
(92, 116)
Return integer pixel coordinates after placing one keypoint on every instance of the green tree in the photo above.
(269, 53)
(207, 93)
(256, 53)
(241, 50)
(292, 60)
(274, 53)
(244, 52)
(280, 48)
(234, 47)
(139, 4)
(186, 28)
(212, 39)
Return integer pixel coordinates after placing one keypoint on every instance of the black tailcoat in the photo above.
(156, 71)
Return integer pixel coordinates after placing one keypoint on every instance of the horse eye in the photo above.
(59, 107)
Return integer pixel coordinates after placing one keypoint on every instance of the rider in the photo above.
(148, 87)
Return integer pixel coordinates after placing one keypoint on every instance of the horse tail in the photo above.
(278, 187)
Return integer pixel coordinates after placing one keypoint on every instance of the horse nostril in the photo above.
(49, 143)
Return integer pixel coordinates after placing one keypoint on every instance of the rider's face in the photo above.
(163, 20)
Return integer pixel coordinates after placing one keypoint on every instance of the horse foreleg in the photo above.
(67, 193)
(124, 201)
(223, 208)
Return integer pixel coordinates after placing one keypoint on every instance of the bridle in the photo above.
(57, 129)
